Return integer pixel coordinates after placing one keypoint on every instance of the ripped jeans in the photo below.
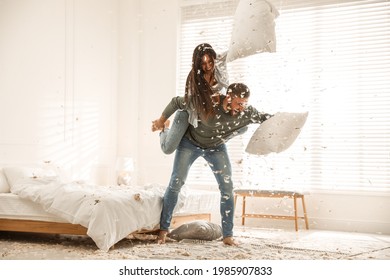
(171, 137)
(219, 162)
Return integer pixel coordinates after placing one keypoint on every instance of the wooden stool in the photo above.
(273, 194)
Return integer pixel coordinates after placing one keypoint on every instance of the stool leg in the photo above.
(235, 203)
(243, 210)
(295, 213)
(304, 212)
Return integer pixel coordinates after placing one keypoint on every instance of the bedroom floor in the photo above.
(255, 243)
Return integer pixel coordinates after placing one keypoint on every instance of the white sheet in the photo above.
(14, 207)
(198, 201)
(109, 213)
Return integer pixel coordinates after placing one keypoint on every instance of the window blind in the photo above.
(332, 60)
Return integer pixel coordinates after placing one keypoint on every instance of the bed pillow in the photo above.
(253, 29)
(16, 174)
(4, 187)
(277, 133)
(200, 230)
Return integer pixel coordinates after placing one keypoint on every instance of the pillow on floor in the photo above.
(277, 133)
(200, 230)
(253, 29)
(4, 187)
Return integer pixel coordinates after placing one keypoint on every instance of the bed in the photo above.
(33, 201)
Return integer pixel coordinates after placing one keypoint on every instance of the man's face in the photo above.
(238, 105)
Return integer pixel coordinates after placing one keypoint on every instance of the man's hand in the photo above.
(158, 124)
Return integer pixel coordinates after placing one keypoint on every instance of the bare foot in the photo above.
(162, 235)
(229, 241)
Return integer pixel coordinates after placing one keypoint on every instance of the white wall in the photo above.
(81, 81)
(129, 63)
(147, 81)
(158, 44)
(354, 212)
(58, 84)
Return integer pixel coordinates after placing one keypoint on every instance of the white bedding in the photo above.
(197, 201)
(109, 213)
(15, 207)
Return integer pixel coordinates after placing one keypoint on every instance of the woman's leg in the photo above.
(219, 163)
(171, 137)
(186, 154)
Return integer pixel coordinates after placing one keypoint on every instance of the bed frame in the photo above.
(75, 229)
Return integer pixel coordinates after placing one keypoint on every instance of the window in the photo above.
(332, 60)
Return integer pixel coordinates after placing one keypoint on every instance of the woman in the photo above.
(207, 78)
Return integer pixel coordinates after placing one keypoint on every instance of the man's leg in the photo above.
(219, 163)
(186, 154)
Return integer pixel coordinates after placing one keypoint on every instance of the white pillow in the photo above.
(4, 187)
(277, 133)
(15, 174)
(253, 29)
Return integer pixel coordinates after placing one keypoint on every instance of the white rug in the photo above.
(254, 244)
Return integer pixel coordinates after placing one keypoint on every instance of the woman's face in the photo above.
(207, 64)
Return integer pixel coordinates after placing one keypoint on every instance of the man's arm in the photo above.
(256, 116)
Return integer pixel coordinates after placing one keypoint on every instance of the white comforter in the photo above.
(109, 213)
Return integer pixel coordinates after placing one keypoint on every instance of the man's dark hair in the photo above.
(239, 90)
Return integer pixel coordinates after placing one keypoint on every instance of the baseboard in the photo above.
(372, 227)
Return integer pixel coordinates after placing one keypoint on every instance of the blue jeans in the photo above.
(219, 163)
(171, 137)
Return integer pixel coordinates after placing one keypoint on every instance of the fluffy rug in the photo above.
(269, 245)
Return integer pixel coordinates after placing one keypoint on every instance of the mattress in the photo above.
(199, 201)
(14, 207)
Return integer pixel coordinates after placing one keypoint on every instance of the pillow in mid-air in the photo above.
(253, 29)
(277, 133)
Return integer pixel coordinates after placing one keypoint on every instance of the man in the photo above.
(230, 114)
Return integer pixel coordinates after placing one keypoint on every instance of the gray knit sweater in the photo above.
(215, 130)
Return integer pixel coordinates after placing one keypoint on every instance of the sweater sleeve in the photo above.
(256, 116)
(177, 103)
